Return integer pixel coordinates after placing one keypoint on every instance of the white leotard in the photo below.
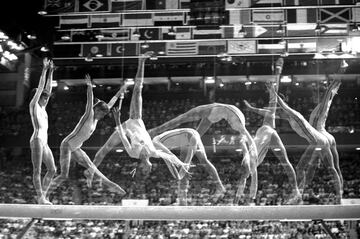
(39, 119)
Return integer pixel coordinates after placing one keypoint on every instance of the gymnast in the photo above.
(190, 144)
(267, 138)
(40, 150)
(71, 146)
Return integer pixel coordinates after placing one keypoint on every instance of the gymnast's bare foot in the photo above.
(43, 200)
(89, 177)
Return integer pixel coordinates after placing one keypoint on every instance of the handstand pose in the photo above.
(71, 146)
(267, 138)
(319, 144)
(40, 150)
(190, 144)
(212, 113)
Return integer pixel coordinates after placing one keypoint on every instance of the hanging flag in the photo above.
(300, 29)
(125, 5)
(181, 48)
(211, 47)
(124, 49)
(138, 19)
(77, 36)
(237, 4)
(241, 46)
(237, 17)
(266, 3)
(236, 31)
(109, 20)
(335, 15)
(169, 19)
(162, 4)
(270, 47)
(263, 31)
(304, 45)
(301, 2)
(157, 47)
(73, 50)
(268, 16)
(59, 6)
(68, 22)
(146, 34)
(330, 44)
(94, 49)
(207, 33)
(334, 29)
(94, 5)
(302, 15)
(115, 35)
(180, 33)
(184, 4)
(337, 2)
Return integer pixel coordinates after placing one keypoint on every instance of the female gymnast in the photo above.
(40, 150)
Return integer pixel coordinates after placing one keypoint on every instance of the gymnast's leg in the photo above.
(244, 172)
(50, 166)
(302, 165)
(329, 163)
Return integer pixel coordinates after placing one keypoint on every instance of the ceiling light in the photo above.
(99, 55)
(65, 37)
(44, 49)
(238, 150)
(99, 36)
(145, 45)
(66, 87)
(89, 58)
(31, 36)
(153, 57)
(42, 12)
(119, 151)
(285, 79)
(344, 64)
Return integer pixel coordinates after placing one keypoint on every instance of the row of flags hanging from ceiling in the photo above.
(214, 47)
(91, 6)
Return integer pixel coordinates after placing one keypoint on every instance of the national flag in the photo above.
(59, 6)
(71, 22)
(241, 46)
(180, 33)
(138, 19)
(236, 31)
(337, 2)
(147, 34)
(94, 5)
(300, 29)
(124, 49)
(77, 36)
(263, 31)
(115, 35)
(335, 15)
(268, 16)
(211, 47)
(94, 49)
(267, 3)
(270, 47)
(237, 3)
(334, 29)
(125, 5)
(329, 44)
(207, 33)
(169, 19)
(302, 15)
(73, 50)
(356, 14)
(237, 17)
(109, 20)
(303, 45)
(157, 47)
(181, 48)
(162, 4)
(184, 4)
(301, 2)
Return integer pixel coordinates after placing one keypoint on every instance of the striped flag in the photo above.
(329, 44)
(115, 35)
(356, 14)
(270, 47)
(301, 2)
(124, 5)
(337, 2)
(237, 3)
(94, 49)
(94, 5)
(240, 46)
(207, 33)
(335, 29)
(211, 47)
(302, 15)
(335, 15)
(109, 20)
(184, 4)
(181, 48)
(237, 17)
(305, 45)
(267, 3)
(268, 16)
(124, 49)
(138, 19)
(162, 4)
(71, 22)
(169, 19)
(180, 33)
(301, 29)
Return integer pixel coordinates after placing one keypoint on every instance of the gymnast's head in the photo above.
(100, 109)
(44, 97)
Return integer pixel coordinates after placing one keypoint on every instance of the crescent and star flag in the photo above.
(124, 49)
(146, 34)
